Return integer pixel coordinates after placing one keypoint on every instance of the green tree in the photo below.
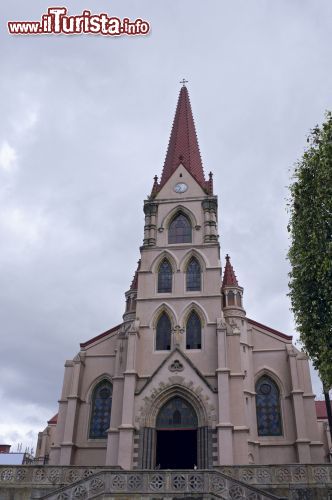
(310, 253)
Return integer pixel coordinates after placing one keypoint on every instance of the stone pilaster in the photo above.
(150, 226)
(67, 446)
(126, 435)
(224, 426)
(302, 441)
(112, 450)
(210, 219)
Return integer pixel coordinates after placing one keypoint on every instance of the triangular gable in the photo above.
(181, 174)
(166, 366)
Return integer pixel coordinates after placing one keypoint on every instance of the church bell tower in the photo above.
(175, 296)
(178, 294)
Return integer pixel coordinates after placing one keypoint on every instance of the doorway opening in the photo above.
(176, 426)
(176, 449)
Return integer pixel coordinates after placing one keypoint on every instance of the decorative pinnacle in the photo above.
(183, 81)
(134, 283)
(155, 185)
(210, 183)
(229, 274)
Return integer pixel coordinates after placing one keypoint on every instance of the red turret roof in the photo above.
(321, 410)
(229, 274)
(53, 420)
(134, 283)
(183, 145)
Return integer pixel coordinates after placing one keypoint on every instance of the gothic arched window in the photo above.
(180, 229)
(165, 277)
(101, 410)
(193, 275)
(177, 413)
(193, 332)
(268, 407)
(163, 333)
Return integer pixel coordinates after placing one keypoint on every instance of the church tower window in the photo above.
(194, 332)
(165, 277)
(179, 229)
(163, 333)
(231, 298)
(193, 276)
(268, 407)
(101, 410)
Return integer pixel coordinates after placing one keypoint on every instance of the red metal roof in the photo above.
(269, 329)
(183, 145)
(53, 420)
(229, 274)
(321, 410)
(98, 337)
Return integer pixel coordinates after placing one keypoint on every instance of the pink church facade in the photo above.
(187, 379)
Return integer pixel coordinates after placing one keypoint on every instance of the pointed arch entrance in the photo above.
(176, 439)
(175, 422)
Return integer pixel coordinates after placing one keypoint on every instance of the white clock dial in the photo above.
(180, 187)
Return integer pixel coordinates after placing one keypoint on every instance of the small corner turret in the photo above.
(131, 296)
(232, 293)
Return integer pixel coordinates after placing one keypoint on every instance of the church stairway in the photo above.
(153, 484)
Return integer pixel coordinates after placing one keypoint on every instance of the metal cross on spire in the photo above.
(184, 81)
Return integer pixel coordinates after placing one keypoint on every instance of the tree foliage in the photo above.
(310, 254)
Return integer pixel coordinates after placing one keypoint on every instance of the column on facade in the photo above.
(302, 441)
(146, 224)
(251, 395)
(150, 226)
(206, 211)
(153, 224)
(126, 435)
(240, 428)
(210, 219)
(67, 446)
(116, 413)
(224, 426)
(213, 220)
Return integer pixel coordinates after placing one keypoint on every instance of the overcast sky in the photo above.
(85, 122)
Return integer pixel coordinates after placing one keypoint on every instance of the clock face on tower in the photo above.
(180, 187)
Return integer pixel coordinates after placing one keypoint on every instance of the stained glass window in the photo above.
(165, 277)
(177, 413)
(268, 407)
(163, 333)
(193, 276)
(193, 332)
(179, 230)
(101, 410)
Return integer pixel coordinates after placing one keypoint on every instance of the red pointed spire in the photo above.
(134, 283)
(183, 145)
(229, 275)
